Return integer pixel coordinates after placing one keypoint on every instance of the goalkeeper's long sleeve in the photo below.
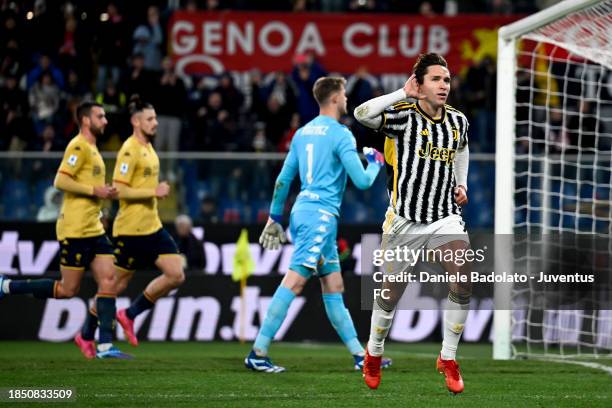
(128, 193)
(362, 179)
(282, 185)
(68, 184)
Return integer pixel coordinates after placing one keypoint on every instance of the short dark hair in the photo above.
(424, 61)
(325, 86)
(137, 105)
(84, 109)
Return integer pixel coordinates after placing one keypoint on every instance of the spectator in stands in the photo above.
(11, 60)
(111, 47)
(74, 86)
(45, 66)
(15, 124)
(260, 141)
(426, 10)
(481, 96)
(209, 213)
(10, 29)
(333, 5)
(277, 119)
(53, 202)
(258, 94)
(67, 51)
(456, 98)
(284, 90)
(190, 247)
(360, 87)
(48, 140)
(44, 98)
(114, 102)
(231, 97)
(215, 127)
(148, 39)
(305, 72)
(294, 125)
(170, 105)
(140, 81)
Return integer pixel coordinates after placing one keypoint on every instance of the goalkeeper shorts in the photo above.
(314, 240)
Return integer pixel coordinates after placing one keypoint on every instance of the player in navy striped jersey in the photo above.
(426, 156)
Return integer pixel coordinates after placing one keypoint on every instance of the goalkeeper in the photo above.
(322, 152)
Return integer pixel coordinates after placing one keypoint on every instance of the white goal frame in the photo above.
(504, 156)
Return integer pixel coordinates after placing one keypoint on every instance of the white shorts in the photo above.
(399, 232)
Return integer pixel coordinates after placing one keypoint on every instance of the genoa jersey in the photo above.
(316, 151)
(137, 167)
(419, 155)
(80, 215)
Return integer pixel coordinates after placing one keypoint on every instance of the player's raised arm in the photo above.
(370, 112)
(347, 152)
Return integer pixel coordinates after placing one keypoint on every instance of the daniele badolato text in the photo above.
(479, 277)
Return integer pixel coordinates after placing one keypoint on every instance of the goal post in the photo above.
(539, 146)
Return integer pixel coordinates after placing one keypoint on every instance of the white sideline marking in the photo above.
(596, 366)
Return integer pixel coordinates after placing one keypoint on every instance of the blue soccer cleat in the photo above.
(113, 352)
(2, 294)
(385, 363)
(261, 364)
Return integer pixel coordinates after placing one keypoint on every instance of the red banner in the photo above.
(383, 43)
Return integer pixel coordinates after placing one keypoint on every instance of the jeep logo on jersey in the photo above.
(97, 170)
(437, 153)
(147, 171)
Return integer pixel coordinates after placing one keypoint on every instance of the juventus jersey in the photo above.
(419, 155)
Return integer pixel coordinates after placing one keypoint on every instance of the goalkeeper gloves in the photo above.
(373, 156)
(273, 235)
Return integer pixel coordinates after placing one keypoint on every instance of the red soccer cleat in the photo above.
(450, 369)
(128, 326)
(371, 370)
(87, 347)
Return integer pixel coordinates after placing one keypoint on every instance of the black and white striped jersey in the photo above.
(419, 155)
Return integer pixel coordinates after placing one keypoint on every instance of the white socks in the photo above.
(104, 346)
(5, 286)
(454, 317)
(379, 328)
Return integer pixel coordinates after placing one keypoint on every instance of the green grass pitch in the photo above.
(322, 375)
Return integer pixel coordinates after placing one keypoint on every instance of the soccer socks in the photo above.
(141, 304)
(40, 288)
(455, 315)
(341, 320)
(88, 330)
(379, 328)
(106, 309)
(277, 311)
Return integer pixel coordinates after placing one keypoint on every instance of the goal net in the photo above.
(556, 128)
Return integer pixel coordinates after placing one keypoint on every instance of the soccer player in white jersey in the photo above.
(426, 156)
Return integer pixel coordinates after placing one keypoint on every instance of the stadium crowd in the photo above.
(55, 54)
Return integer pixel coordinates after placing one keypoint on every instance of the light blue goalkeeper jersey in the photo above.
(322, 152)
